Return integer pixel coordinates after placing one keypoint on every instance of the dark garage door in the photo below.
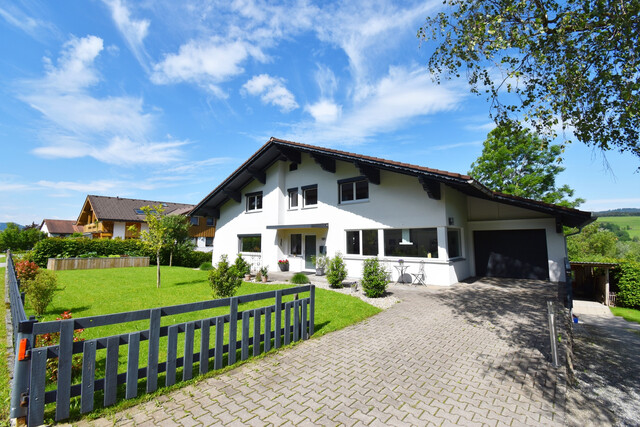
(519, 254)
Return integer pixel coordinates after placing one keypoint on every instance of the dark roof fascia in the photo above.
(296, 226)
(463, 183)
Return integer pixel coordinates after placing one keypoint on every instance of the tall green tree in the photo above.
(569, 62)
(155, 238)
(516, 161)
(177, 227)
(15, 238)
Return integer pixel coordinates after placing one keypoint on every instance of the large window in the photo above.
(453, 242)
(250, 243)
(369, 239)
(254, 202)
(296, 244)
(309, 195)
(293, 198)
(353, 190)
(411, 242)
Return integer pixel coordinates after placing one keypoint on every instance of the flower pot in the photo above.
(247, 277)
(319, 271)
(264, 279)
(284, 267)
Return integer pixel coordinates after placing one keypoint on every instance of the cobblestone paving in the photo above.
(473, 354)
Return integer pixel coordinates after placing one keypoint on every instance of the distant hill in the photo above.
(620, 212)
(3, 225)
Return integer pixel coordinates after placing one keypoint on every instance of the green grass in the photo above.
(5, 382)
(95, 292)
(624, 221)
(628, 314)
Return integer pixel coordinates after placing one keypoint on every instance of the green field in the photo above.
(625, 221)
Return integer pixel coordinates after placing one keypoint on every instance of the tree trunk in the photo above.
(158, 265)
(171, 258)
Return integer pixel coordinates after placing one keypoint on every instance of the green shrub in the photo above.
(336, 271)
(242, 266)
(300, 279)
(26, 270)
(40, 290)
(206, 266)
(224, 279)
(628, 275)
(374, 278)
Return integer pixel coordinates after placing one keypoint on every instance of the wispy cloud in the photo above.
(134, 31)
(34, 27)
(113, 130)
(271, 91)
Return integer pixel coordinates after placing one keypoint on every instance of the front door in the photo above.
(309, 251)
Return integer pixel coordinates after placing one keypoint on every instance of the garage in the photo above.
(518, 254)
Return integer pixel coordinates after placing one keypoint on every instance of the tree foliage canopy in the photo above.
(155, 238)
(15, 238)
(571, 63)
(515, 161)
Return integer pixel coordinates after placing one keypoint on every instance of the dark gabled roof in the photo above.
(121, 209)
(278, 149)
(61, 226)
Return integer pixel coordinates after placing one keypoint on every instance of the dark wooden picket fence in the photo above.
(274, 325)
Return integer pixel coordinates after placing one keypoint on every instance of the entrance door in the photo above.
(309, 251)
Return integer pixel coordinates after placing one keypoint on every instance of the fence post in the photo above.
(278, 319)
(22, 368)
(312, 309)
(552, 334)
(233, 329)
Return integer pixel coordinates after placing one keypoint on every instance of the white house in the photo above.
(292, 201)
(59, 227)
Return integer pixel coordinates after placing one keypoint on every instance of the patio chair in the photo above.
(420, 276)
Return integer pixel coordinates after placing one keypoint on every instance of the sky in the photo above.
(162, 100)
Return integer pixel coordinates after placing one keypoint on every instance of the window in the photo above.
(310, 195)
(353, 190)
(194, 220)
(211, 221)
(194, 240)
(421, 242)
(293, 198)
(254, 202)
(250, 243)
(296, 244)
(369, 239)
(353, 242)
(208, 241)
(453, 242)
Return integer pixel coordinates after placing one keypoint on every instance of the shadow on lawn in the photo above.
(191, 282)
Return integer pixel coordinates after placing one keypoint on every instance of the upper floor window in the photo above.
(254, 201)
(194, 220)
(310, 195)
(293, 198)
(353, 190)
(211, 221)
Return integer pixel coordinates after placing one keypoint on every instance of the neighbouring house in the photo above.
(59, 227)
(113, 217)
(292, 201)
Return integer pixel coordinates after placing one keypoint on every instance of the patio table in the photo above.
(402, 270)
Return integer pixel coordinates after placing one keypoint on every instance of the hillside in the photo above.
(630, 224)
(619, 212)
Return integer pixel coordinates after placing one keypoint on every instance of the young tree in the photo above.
(515, 161)
(155, 238)
(177, 227)
(573, 62)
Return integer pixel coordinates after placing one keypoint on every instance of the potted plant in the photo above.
(321, 263)
(283, 264)
(264, 272)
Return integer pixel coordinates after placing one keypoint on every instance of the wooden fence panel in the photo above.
(267, 329)
(154, 348)
(287, 323)
(36, 386)
(187, 370)
(111, 371)
(133, 356)
(57, 264)
(88, 376)
(256, 332)
(204, 346)
(172, 355)
(246, 318)
(63, 395)
(233, 330)
(296, 320)
(219, 342)
(278, 319)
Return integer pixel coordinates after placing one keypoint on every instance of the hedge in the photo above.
(628, 275)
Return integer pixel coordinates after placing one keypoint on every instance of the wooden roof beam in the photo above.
(235, 195)
(290, 155)
(431, 187)
(326, 163)
(372, 173)
(258, 174)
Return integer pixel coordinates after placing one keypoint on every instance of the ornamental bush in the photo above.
(26, 270)
(628, 275)
(300, 279)
(374, 278)
(224, 279)
(336, 271)
(242, 266)
(206, 266)
(40, 290)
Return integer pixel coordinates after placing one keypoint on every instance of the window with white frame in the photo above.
(310, 195)
(411, 242)
(293, 198)
(353, 190)
(254, 201)
(362, 242)
(453, 243)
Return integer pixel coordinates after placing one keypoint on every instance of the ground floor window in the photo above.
(411, 242)
(453, 242)
(369, 239)
(250, 243)
(208, 241)
(296, 244)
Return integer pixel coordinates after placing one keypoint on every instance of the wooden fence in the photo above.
(274, 325)
(91, 263)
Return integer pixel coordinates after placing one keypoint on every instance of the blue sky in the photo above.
(162, 100)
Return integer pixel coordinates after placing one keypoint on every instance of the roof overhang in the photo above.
(296, 226)
(430, 179)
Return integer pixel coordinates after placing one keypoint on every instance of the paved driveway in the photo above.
(473, 354)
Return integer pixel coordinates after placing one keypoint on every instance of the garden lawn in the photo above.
(628, 314)
(95, 292)
(5, 382)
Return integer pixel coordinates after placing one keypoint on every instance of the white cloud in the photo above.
(271, 91)
(133, 31)
(324, 111)
(114, 130)
(35, 28)
(205, 62)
